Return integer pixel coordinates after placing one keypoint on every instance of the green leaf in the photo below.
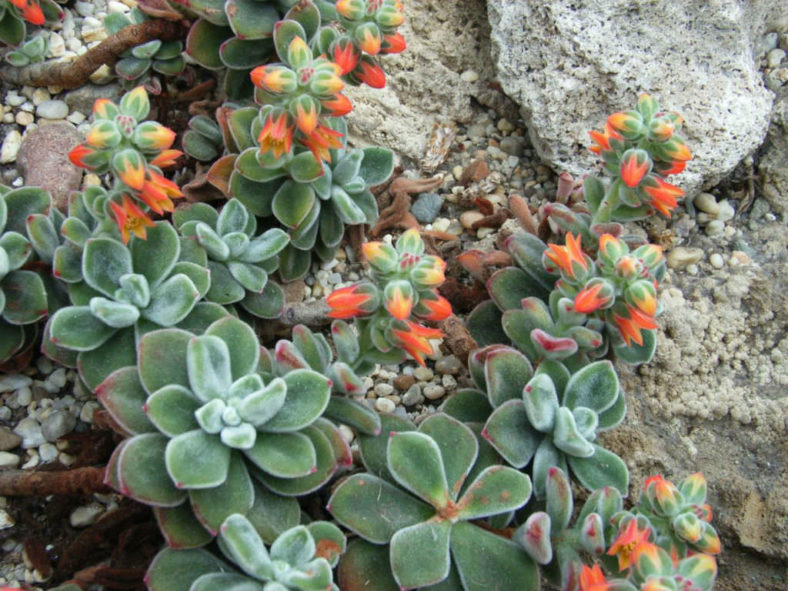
(484, 324)
(203, 43)
(76, 328)
(118, 351)
(114, 314)
(496, 490)
(293, 263)
(511, 434)
(285, 455)
(635, 354)
(242, 344)
(142, 471)
(272, 514)
(506, 372)
(305, 168)
(375, 509)
(365, 566)
(415, 461)
(176, 570)
(171, 409)
(25, 297)
(251, 277)
(295, 547)
(346, 208)
(162, 359)
(242, 544)
(250, 20)
(457, 445)
(235, 495)
(123, 397)
(595, 386)
(224, 288)
(208, 362)
(197, 460)
(104, 261)
(354, 414)
(284, 34)
(292, 203)
(420, 554)
(468, 406)
(374, 448)
(509, 286)
(546, 456)
(172, 301)
(603, 468)
(155, 256)
(541, 403)
(180, 527)
(308, 393)
(377, 165)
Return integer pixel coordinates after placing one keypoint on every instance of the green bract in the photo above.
(435, 483)
(239, 262)
(127, 291)
(205, 425)
(301, 559)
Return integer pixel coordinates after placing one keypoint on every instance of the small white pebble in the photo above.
(384, 405)
(716, 260)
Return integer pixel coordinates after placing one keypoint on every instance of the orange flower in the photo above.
(592, 298)
(130, 219)
(321, 140)
(663, 195)
(414, 338)
(371, 74)
(30, 11)
(156, 192)
(276, 136)
(273, 78)
(346, 56)
(592, 579)
(635, 164)
(355, 300)
(306, 115)
(631, 325)
(672, 167)
(398, 298)
(369, 40)
(676, 149)
(77, 156)
(166, 158)
(394, 43)
(567, 257)
(437, 309)
(130, 168)
(337, 106)
(626, 542)
(602, 139)
(104, 108)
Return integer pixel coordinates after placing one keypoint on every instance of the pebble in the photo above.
(30, 432)
(8, 460)
(404, 382)
(434, 391)
(58, 378)
(413, 396)
(726, 212)
(24, 396)
(39, 96)
(707, 202)
(13, 99)
(775, 57)
(441, 224)
(715, 228)
(57, 46)
(47, 452)
(469, 76)
(504, 125)
(448, 365)
(681, 256)
(427, 207)
(383, 389)
(24, 118)
(58, 424)
(52, 109)
(10, 147)
(423, 374)
(384, 405)
(85, 515)
(86, 413)
(470, 217)
(8, 439)
(512, 145)
(5, 520)
(449, 382)
(716, 260)
(14, 382)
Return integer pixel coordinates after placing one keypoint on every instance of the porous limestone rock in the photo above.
(569, 64)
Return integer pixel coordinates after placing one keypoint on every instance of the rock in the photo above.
(43, 161)
(52, 109)
(423, 374)
(433, 391)
(695, 58)
(448, 365)
(8, 439)
(468, 218)
(86, 515)
(30, 432)
(81, 99)
(10, 147)
(5, 520)
(513, 145)
(8, 460)
(58, 424)
(707, 202)
(681, 256)
(773, 164)
(47, 452)
(384, 405)
(413, 396)
(404, 382)
(775, 57)
(383, 389)
(14, 382)
(427, 207)
(717, 261)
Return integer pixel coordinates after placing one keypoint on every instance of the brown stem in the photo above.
(76, 72)
(79, 481)
(309, 313)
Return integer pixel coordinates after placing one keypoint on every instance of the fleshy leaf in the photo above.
(414, 459)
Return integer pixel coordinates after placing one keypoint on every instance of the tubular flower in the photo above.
(130, 168)
(602, 139)
(676, 149)
(635, 164)
(350, 9)
(368, 37)
(642, 296)
(306, 115)
(337, 106)
(631, 323)
(78, 154)
(570, 258)
(157, 191)
(276, 135)
(345, 55)
(103, 134)
(383, 257)
(592, 579)
(626, 542)
(663, 195)
(436, 310)
(370, 74)
(597, 294)
(104, 108)
(355, 300)
(668, 168)
(394, 43)
(150, 135)
(30, 11)
(414, 338)
(398, 298)
(627, 123)
(321, 140)
(130, 219)
(167, 158)
(275, 79)
(429, 272)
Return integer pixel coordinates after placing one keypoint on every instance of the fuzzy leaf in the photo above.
(509, 286)
(258, 407)
(123, 396)
(76, 328)
(353, 413)
(546, 457)
(567, 437)
(414, 459)
(173, 570)
(114, 314)
(155, 256)
(534, 536)
(272, 514)
(307, 397)
(559, 497)
(197, 460)
(457, 445)
(595, 387)
(104, 261)
(506, 372)
(235, 495)
(118, 351)
(162, 359)
(377, 165)
(420, 554)
(142, 471)
(284, 455)
(25, 297)
(242, 544)
(541, 403)
(496, 490)
(180, 527)
(468, 405)
(171, 409)
(172, 301)
(603, 468)
(292, 203)
(208, 362)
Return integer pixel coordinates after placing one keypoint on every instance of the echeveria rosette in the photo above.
(300, 559)
(127, 291)
(15, 13)
(239, 261)
(206, 426)
(24, 298)
(310, 350)
(550, 417)
(389, 309)
(134, 151)
(424, 515)
(557, 542)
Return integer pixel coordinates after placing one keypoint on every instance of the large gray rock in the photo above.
(569, 64)
(773, 164)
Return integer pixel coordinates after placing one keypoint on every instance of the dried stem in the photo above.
(79, 481)
(76, 72)
(309, 313)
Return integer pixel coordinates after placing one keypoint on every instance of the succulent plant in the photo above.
(135, 64)
(426, 506)
(127, 291)
(14, 14)
(133, 150)
(205, 426)
(679, 516)
(389, 308)
(309, 350)
(552, 540)
(31, 51)
(23, 293)
(203, 140)
(300, 559)
(238, 261)
(548, 417)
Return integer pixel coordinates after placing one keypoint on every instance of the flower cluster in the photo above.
(370, 30)
(402, 293)
(639, 149)
(134, 151)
